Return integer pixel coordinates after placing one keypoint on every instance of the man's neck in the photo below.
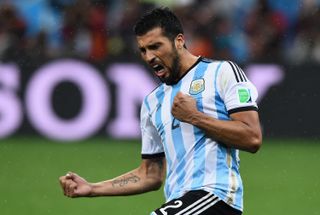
(187, 61)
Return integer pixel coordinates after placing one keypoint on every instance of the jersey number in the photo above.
(176, 204)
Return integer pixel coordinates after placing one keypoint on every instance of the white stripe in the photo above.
(194, 204)
(233, 183)
(211, 199)
(187, 132)
(188, 137)
(206, 207)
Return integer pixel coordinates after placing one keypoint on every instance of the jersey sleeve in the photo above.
(151, 141)
(236, 90)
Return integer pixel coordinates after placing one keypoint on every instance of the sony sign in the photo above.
(132, 83)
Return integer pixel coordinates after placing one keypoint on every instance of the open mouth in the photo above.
(159, 69)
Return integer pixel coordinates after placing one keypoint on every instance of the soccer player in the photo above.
(193, 126)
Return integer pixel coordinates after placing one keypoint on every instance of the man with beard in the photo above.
(193, 126)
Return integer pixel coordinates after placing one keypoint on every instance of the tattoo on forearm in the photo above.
(125, 180)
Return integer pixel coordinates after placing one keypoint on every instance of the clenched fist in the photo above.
(184, 107)
(75, 186)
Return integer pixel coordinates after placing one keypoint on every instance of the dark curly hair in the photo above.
(159, 17)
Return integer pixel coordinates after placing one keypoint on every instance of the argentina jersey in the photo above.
(195, 161)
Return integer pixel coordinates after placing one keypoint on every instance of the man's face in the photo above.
(160, 53)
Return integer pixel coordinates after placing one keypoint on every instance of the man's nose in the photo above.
(150, 57)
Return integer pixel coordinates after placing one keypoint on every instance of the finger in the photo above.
(179, 94)
(182, 95)
(70, 175)
(73, 176)
(70, 187)
(65, 181)
(76, 178)
(176, 100)
(62, 181)
(66, 189)
(177, 97)
(173, 108)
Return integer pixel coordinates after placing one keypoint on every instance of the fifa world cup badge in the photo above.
(244, 95)
(196, 86)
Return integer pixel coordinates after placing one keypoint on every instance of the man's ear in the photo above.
(179, 41)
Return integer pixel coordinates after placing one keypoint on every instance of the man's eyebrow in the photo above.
(154, 44)
(149, 46)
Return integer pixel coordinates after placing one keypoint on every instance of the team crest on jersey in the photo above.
(197, 86)
(244, 95)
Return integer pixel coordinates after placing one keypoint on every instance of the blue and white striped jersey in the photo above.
(195, 161)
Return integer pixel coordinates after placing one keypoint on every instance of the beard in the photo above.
(174, 76)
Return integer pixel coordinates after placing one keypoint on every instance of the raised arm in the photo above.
(241, 132)
(147, 177)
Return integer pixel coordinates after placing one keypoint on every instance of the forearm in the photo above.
(131, 183)
(235, 134)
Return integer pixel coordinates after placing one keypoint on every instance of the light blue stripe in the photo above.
(178, 146)
(159, 124)
(199, 157)
(222, 175)
(147, 104)
(221, 108)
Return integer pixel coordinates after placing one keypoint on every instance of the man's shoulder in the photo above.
(207, 60)
(213, 62)
(210, 60)
(154, 93)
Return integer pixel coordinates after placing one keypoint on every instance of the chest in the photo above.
(202, 91)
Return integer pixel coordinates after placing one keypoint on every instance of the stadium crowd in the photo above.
(98, 30)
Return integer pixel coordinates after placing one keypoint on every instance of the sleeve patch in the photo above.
(244, 95)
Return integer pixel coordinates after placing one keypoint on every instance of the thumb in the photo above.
(180, 93)
(74, 177)
(179, 96)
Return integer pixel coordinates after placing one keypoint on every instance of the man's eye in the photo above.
(143, 51)
(154, 47)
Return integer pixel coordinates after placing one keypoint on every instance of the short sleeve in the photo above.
(151, 141)
(236, 90)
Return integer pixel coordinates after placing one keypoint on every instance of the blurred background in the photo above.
(72, 81)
